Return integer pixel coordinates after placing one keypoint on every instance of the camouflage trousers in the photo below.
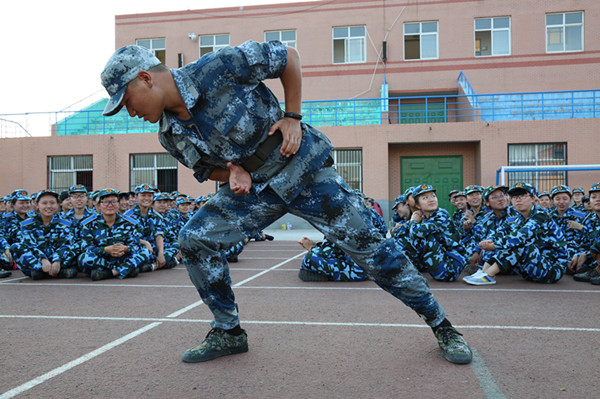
(327, 259)
(328, 204)
(124, 265)
(434, 259)
(28, 261)
(532, 263)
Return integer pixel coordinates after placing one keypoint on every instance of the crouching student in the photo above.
(434, 237)
(535, 247)
(110, 241)
(43, 246)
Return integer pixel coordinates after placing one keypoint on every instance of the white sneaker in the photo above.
(478, 273)
(480, 279)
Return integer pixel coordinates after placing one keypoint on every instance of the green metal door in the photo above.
(444, 173)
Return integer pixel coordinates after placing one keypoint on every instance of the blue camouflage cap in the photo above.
(543, 193)
(460, 194)
(20, 195)
(145, 188)
(401, 199)
(183, 200)
(490, 189)
(522, 187)
(409, 191)
(106, 192)
(578, 190)
(123, 67)
(41, 193)
(473, 188)
(200, 199)
(595, 187)
(77, 188)
(422, 189)
(560, 189)
(161, 196)
(452, 193)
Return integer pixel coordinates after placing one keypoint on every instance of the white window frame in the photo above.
(349, 40)
(492, 30)
(280, 34)
(564, 31)
(72, 169)
(422, 34)
(154, 169)
(157, 45)
(213, 45)
(349, 164)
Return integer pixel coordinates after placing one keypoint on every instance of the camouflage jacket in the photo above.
(438, 227)
(151, 224)
(591, 233)
(491, 226)
(232, 111)
(96, 234)
(53, 242)
(575, 238)
(11, 227)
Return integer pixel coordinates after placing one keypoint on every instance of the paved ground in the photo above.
(124, 338)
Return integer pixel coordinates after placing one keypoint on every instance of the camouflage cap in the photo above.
(123, 67)
(543, 193)
(20, 195)
(560, 189)
(183, 200)
(473, 188)
(422, 189)
(578, 190)
(452, 193)
(490, 189)
(145, 188)
(409, 191)
(460, 194)
(595, 187)
(161, 196)
(519, 188)
(401, 199)
(77, 188)
(46, 192)
(106, 192)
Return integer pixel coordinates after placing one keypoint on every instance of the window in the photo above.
(538, 155)
(349, 44)
(210, 43)
(65, 171)
(421, 41)
(492, 36)
(287, 37)
(348, 164)
(564, 32)
(160, 170)
(157, 46)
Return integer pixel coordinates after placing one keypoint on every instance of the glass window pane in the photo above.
(412, 47)
(339, 51)
(143, 160)
(501, 45)
(412, 28)
(555, 39)
(574, 18)
(428, 46)
(144, 43)
(82, 162)
(429, 27)
(222, 40)
(62, 180)
(206, 40)
(483, 43)
(158, 44)
(573, 38)
(485, 23)
(554, 19)
(269, 36)
(60, 163)
(143, 176)
(355, 50)
(357, 31)
(340, 32)
(288, 35)
(501, 23)
(161, 55)
(165, 161)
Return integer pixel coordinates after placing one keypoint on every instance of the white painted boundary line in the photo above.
(59, 370)
(304, 323)
(157, 322)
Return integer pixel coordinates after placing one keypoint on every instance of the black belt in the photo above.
(263, 151)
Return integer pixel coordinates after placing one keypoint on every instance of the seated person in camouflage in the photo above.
(151, 224)
(400, 232)
(578, 194)
(6, 262)
(433, 236)
(570, 221)
(20, 203)
(535, 247)
(590, 272)
(110, 241)
(170, 233)
(585, 201)
(43, 247)
(544, 200)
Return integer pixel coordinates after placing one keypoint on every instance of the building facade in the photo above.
(436, 91)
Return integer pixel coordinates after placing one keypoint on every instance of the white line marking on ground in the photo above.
(267, 270)
(59, 370)
(303, 323)
(486, 380)
(13, 279)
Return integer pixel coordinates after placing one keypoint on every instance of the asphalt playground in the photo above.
(124, 338)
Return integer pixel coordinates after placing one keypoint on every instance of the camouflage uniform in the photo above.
(535, 248)
(96, 235)
(152, 225)
(4, 263)
(35, 242)
(574, 238)
(232, 111)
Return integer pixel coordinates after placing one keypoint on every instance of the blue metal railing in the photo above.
(353, 112)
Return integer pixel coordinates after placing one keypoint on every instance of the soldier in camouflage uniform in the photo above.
(434, 238)
(535, 248)
(43, 246)
(170, 243)
(110, 242)
(152, 227)
(577, 197)
(219, 119)
(564, 215)
(11, 225)
(590, 228)
(6, 262)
